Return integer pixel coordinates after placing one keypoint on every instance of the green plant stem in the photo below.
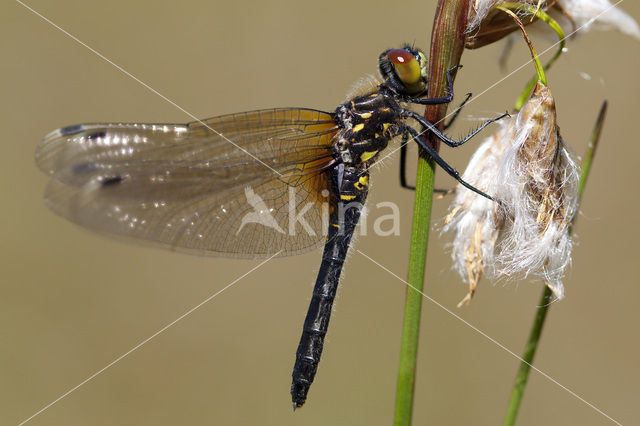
(413, 299)
(538, 322)
(447, 43)
(534, 56)
(509, 6)
(591, 152)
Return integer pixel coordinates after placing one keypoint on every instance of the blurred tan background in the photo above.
(72, 301)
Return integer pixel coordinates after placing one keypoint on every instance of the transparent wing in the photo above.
(240, 185)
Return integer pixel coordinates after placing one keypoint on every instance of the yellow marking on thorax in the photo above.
(385, 126)
(357, 127)
(365, 115)
(362, 182)
(367, 155)
(347, 197)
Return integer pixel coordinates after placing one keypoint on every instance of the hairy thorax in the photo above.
(367, 124)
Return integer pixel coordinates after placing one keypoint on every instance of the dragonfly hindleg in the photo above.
(441, 162)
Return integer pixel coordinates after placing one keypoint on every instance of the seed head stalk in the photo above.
(543, 307)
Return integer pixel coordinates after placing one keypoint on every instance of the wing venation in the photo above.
(197, 186)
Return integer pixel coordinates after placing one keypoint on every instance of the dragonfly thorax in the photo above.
(367, 124)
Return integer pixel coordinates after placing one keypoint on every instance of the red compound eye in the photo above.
(405, 65)
(400, 56)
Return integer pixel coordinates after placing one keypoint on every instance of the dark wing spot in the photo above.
(71, 130)
(110, 180)
(95, 135)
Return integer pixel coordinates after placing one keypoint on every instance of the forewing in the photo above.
(227, 186)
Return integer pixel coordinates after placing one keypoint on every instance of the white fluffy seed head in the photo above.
(531, 171)
(476, 220)
(594, 14)
(486, 24)
(479, 11)
(483, 14)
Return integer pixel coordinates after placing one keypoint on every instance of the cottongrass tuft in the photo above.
(530, 170)
(584, 15)
(601, 15)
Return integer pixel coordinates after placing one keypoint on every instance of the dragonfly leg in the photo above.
(403, 162)
(456, 112)
(447, 140)
(442, 163)
(403, 150)
(442, 99)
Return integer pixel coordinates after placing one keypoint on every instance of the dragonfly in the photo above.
(272, 182)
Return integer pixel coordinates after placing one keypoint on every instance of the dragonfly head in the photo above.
(404, 70)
